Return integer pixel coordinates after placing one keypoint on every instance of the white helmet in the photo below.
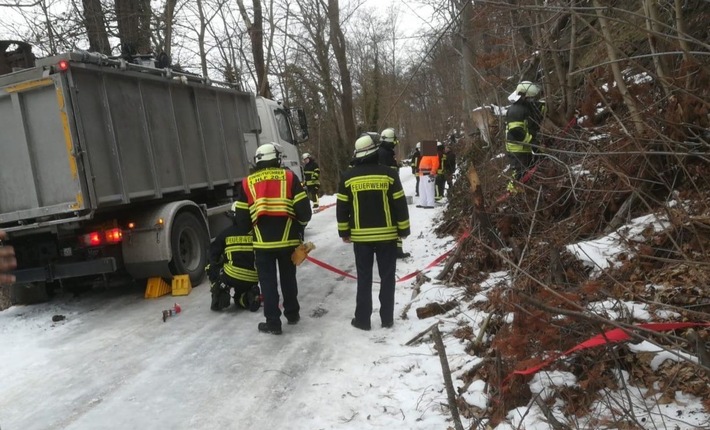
(418, 145)
(388, 135)
(527, 89)
(305, 155)
(364, 146)
(439, 144)
(268, 151)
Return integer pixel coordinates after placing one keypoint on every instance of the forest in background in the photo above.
(627, 87)
(342, 61)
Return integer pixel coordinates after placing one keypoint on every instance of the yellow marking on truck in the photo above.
(67, 133)
(79, 201)
(29, 85)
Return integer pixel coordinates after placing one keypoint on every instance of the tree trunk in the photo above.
(471, 91)
(168, 16)
(201, 38)
(337, 40)
(133, 21)
(653, 33)
(96, 27)
(616, 70)
(256, 35)
(571, 66)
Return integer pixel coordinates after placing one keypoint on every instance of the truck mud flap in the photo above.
(69, 270)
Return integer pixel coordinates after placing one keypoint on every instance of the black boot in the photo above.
(215, 302)
(270, 329)
(254, 298)
(354, 322)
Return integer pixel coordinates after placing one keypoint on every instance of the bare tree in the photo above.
(95, 24)
(255, 29)
(337, 40)
(133, 20)
(616, 70)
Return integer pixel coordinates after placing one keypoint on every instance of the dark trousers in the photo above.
(440, 186)
(240, 287)
(417, 188)
(266, 265)
(520, 162)
(386, 254)
(312, 191)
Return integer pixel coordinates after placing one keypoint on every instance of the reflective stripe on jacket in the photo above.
(371, 206)
(233, 253)
(415, 161)
(275, 203)
(522, 122)
(312, 173)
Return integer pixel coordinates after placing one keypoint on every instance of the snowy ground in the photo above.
(114, 364)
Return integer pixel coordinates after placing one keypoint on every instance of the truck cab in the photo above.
(284, 126)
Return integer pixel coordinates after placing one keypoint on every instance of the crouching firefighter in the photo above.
(231, 265)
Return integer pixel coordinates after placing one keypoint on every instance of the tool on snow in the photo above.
(176, 309)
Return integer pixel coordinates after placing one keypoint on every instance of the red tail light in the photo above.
(114, 235)
(91, 239)
(98, 238)
(63, 65)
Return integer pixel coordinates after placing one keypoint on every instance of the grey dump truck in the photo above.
(113, 168)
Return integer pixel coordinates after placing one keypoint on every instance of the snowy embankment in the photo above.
(114, 364)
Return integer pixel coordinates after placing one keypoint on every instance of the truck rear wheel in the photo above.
(189, 241)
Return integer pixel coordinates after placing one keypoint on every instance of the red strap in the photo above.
(329, 267)
(436, 261)
(612, 336)
(324, 207)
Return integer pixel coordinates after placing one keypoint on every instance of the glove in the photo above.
(301, 252)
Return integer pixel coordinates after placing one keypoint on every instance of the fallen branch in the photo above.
(416, 338)
(450, 393)
(433, 309)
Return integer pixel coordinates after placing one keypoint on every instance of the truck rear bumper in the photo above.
(54, 272)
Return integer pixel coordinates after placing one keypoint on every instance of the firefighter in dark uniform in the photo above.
(311, 172)
(372, 214)
(449, 166)
(440, 181)
(275, 203)
(231, 265)
(385, 154)
(522, 124)
(414, 162)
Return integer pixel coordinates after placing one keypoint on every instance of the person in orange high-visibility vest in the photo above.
(428, 166)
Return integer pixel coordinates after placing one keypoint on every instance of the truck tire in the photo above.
(189, 242)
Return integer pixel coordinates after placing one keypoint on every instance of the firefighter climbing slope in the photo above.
(522, 124)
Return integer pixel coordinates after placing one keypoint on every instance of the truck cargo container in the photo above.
(109, 167)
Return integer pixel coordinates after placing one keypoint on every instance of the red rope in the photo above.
(612, 336)
(435, 262)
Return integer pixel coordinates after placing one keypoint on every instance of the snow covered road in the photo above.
(114, 364)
